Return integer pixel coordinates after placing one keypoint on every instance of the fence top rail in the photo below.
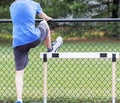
(72, 20)
(93, 55)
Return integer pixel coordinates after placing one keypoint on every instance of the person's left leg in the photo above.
(21, 61)
(46, 37)
(19, 85)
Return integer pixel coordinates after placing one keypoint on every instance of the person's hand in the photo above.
(49, 18)
(44, 16)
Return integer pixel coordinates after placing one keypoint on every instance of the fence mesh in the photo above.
(69, 80)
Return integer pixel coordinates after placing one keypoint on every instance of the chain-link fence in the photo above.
(69, 80)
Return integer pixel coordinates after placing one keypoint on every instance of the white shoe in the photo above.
(57, 44)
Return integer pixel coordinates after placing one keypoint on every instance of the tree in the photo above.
(115, 9)
(72, 8)
(80, 8)
(63, 8)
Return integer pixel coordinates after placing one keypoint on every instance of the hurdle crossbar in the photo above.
(105, 55)
(80, 55)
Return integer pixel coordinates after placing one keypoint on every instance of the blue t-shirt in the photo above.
(23, 13)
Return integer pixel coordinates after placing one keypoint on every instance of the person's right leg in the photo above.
(45, 30)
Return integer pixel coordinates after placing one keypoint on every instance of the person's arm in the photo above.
(44, 16)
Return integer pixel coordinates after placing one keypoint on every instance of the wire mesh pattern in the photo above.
(69, 80)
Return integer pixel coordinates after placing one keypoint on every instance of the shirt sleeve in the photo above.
(39, 9)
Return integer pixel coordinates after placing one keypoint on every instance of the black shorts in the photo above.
(21, 52)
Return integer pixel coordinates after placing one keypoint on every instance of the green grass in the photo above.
(69, 80)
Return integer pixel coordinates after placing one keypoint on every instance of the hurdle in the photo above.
(95, 55)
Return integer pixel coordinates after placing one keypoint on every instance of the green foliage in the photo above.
(6, 38)
(5, 32)
(64, 8)
(114, 30)
(4, 9)
(56, 9)
(77, 8)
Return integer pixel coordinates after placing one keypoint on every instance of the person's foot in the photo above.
(18, 101)
(56, 45)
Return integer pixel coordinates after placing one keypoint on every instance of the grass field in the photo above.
(69, 80)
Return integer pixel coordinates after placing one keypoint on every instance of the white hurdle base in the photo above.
(105, 55)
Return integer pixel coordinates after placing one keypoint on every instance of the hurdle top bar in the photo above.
(109, 55)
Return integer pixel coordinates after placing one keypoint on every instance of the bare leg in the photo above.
(48, 39)
(19, 83)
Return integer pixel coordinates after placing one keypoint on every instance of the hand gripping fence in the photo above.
(105, 55)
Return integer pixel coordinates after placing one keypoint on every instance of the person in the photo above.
(27, 36)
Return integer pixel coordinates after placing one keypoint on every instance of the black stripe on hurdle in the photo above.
(103, 55)
(113, 57)
(44, 57)
(55, 55)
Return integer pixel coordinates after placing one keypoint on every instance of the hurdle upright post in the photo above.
(113, 77)
(45, 77)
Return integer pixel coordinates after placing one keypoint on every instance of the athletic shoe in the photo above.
(57, 44)
(18, 102)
